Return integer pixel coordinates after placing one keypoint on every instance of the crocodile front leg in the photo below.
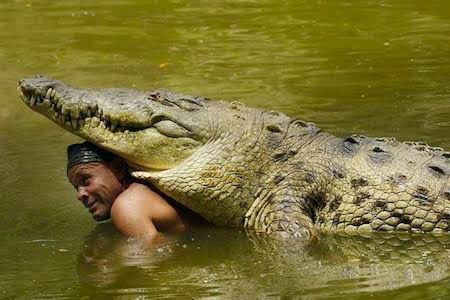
(282, 214)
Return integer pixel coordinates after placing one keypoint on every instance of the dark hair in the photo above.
(86, 153)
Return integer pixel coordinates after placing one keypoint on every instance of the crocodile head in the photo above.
(151, 130)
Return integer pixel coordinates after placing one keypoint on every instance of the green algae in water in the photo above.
(374, 68)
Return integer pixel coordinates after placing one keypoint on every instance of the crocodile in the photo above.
(262, 170)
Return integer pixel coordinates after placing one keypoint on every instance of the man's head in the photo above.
(97, 175)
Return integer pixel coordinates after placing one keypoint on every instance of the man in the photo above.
(107, 190)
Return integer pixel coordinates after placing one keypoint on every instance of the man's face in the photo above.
(97, 187)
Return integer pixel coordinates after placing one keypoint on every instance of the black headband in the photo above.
(86, 153)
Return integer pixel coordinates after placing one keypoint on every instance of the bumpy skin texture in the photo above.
(241, 166)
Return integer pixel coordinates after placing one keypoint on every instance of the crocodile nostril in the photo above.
(378, 150)
(446, 193)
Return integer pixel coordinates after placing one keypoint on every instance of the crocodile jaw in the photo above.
(121, 129)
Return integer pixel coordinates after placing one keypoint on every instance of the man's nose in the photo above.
(83, 195)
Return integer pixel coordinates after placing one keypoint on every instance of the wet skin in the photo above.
(135, 210)
(97, 187)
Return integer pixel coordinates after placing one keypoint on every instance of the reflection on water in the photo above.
(106, 256)
(224, 262)
(379, 68)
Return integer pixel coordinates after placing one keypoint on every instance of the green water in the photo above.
(380, 68)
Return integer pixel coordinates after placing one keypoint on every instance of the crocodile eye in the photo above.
(171, 129)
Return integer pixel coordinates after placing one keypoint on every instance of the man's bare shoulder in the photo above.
(140, 189)
(138, 200)
(133, 199)
(132, 212)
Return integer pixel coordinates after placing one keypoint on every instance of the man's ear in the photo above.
(120, 168)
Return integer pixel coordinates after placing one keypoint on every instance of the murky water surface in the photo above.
(380, 68)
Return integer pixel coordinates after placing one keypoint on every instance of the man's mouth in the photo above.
(92, 207)
(88, 203)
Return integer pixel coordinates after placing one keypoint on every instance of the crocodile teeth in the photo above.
(49, 93)
(47, 103)
(19, 89)
(53, 93)
(74, 123)
(95, 121)
(64, 111)
(75, 113)
(32, 101)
